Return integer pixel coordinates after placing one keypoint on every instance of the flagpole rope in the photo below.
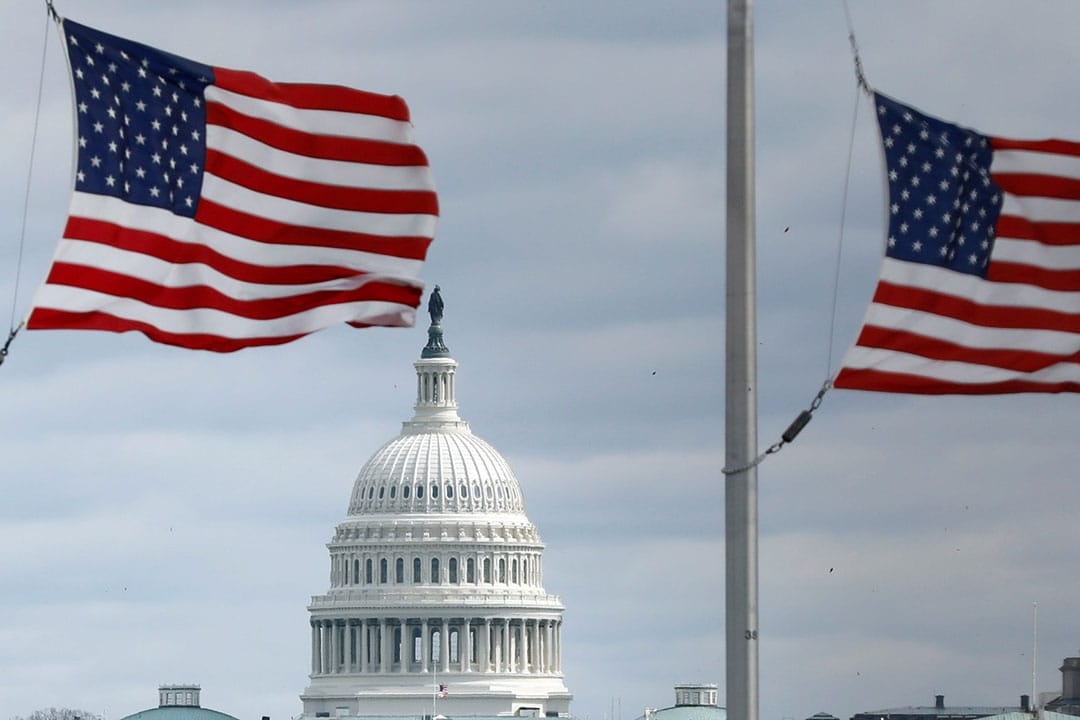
(864, 86)
(804, 417)
(859, 76)
(14, 329)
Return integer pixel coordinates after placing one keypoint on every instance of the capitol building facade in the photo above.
(436, 603)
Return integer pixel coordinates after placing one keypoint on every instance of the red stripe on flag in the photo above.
(312, 96)
(867, 379)
(914, 344)
(1047, 233)
(1007, 272)
(971, 312)
(419, 202)
(326, 147)
(49, 319)
(201, 296)
(173, 251)
(1057, 147)
(1036, 185)
(269, 231)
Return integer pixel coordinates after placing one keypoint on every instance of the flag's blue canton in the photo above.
(943, 204)
(141, 120)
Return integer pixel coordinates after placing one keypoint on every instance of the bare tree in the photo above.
(60, 714)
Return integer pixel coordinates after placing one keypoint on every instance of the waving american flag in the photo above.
(217, 210)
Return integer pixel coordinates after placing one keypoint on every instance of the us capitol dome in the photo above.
(436, 604)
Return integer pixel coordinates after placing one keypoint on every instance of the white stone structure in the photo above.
(436, 604)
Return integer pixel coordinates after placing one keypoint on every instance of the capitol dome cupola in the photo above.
(436, 572)
(436, 400)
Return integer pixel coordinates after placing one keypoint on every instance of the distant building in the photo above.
(693, 701)
(940, 711)
(1068, 703)
(179, 702)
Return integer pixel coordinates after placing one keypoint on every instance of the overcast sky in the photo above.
(164, 512)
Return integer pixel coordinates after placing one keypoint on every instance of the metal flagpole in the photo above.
(740, 492)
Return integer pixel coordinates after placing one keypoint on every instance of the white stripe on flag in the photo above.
(325, 122)
(330, 172)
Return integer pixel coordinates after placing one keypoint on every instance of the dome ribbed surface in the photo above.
(439, 471)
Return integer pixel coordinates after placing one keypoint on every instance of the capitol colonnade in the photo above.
(440, 645)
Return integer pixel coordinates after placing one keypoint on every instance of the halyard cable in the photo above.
(50, 16)
(788, 435)
(804, 417)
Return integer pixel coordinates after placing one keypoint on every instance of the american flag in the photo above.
(214, 209)
(980, 286)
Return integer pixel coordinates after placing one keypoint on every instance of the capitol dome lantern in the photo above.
(436, 604)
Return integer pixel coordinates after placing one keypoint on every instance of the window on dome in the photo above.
(513, 570)
(417, 646)
(399, 571)
(502, 570)
(498, 491)
(453, 571)
(393, 491)
(356, 572)
(416, 571)
(371, 492)
(434, 491)
(470, 570)
(487, 492)
(381, 491)
(382, 570)
(419, 491)
(405, 491)
(463, 491)
(449, 490)
(367, 572)
(525, 571)
(487, 570)
(476, 491)
(435, 579)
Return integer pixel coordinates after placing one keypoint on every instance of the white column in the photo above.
(335, 646)
(485, 661)
(550, 646)
(541, 646)
(444, 647)
(525, 649)
(324, 646)
(405, 649)
(558, 646)
(507, 660)
(363, 628)
(348, 638)
(465, 645)
(384, 655)
(314, 648)
(425, 644)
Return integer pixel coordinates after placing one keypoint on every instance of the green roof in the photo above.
(689, 712)
(179, 712)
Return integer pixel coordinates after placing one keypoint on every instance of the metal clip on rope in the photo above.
(11, 336)
(789, 435)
